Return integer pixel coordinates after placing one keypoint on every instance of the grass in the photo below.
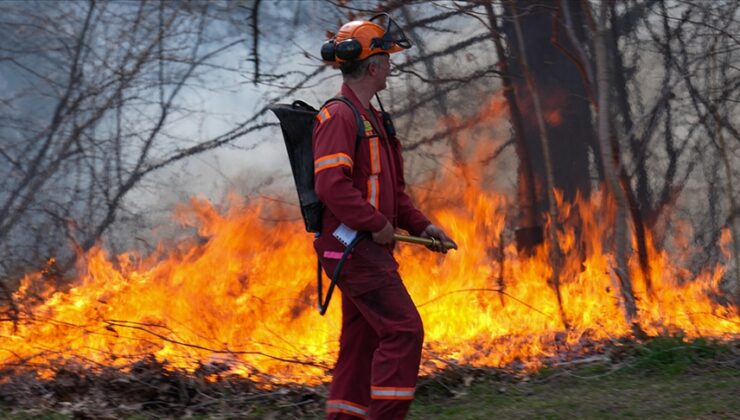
(666, 378)
(710, 393)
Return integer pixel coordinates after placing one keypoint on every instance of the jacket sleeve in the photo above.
(334, 138)
(409, 217)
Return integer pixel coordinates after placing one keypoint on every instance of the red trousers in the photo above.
(381, 341)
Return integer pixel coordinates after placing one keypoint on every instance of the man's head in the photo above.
(362, 48)
(373, 70)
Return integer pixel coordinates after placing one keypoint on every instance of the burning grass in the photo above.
(148, 388)
(240, 295)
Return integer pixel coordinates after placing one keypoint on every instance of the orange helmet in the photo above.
(359, 39)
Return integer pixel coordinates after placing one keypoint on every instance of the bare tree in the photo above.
(621, 230)
(98, 96)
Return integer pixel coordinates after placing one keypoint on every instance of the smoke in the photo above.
(257, 165)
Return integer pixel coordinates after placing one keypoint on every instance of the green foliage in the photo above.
(672, 355)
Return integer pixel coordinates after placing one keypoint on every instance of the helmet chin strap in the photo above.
(377, 98)
(390, 129)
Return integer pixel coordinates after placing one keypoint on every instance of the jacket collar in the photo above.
(350, 94)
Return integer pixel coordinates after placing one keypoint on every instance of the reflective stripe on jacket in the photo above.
(361, 188)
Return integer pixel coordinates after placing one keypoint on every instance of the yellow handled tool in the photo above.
(422, 241)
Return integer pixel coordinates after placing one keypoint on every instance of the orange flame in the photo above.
(554, 118)
(242, 294)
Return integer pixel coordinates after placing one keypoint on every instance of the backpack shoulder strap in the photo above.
(358, 116)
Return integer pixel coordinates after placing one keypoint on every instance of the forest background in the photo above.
(113, 112)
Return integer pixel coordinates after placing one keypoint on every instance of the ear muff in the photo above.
(328, 51)
(348, 50)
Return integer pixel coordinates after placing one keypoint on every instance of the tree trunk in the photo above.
(637, 202)
(529, 228)
(620, 229)
(565, 104)
(549, 178)
(733, 220)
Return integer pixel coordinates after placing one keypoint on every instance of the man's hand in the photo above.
(433, 231)
(384, 236)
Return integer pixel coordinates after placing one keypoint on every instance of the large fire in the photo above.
(243, 294)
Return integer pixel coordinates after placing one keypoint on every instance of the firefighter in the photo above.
(359, 178)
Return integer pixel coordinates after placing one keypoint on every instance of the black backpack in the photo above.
(296, 122)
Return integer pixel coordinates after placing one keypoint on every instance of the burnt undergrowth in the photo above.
(152, 389)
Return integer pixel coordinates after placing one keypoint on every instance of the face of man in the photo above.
(382, 70)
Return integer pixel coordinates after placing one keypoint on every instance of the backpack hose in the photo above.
(324, 304)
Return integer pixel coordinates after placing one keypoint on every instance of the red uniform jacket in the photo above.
(361, 188)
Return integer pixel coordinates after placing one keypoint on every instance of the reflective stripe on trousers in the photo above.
(346, 407)
(391, 393)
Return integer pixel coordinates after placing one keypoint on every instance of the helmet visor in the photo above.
(393, 34)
